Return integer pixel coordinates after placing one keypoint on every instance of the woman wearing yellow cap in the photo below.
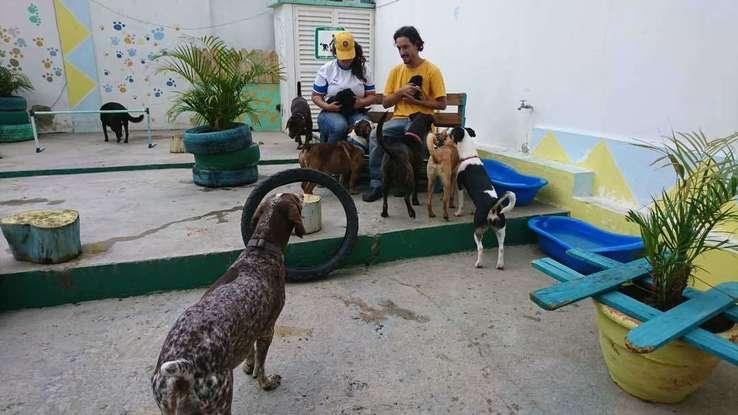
(347, 71)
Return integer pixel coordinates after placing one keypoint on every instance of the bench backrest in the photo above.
(443, 119)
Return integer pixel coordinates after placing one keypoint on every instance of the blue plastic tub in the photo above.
(504, 178)
(558, 234)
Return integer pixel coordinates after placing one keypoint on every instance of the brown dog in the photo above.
(232, 323)
(442, 164)
(340, 158)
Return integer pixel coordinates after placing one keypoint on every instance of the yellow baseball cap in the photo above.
(344, 42)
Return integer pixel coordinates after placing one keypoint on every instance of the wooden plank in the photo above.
(559, 295)
(604, 262)
(455, 99)
(699, 338)
(447, 119)
(679, 320)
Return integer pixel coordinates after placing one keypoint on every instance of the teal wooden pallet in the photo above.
(658, 328)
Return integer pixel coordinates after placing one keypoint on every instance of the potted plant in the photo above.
(681, 225)
(218, 76)
(14, 122)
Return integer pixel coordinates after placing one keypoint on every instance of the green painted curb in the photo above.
(54, 287)
(86, 170)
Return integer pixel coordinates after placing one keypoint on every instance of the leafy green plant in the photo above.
(218, 75)
(12, 82)
(681, 223)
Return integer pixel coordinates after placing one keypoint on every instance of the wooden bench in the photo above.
(444, 118)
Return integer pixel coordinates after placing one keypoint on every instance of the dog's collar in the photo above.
(264, 244)
(469, 158)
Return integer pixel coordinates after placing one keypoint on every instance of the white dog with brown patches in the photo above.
(490, 209)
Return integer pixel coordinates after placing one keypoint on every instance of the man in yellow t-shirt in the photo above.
(407, 99)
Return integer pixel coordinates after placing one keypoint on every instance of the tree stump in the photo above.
(43, 236)
(311, 213)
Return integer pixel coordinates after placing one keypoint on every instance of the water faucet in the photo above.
(524, 105)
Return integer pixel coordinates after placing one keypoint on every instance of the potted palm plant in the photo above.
(14, 122)
(218, 76)
(681, 224)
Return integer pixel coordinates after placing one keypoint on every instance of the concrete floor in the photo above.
(138, 215)
(66, 150)
(431, 335)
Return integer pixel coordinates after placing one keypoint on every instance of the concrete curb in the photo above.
(42, 288)
(106, 169)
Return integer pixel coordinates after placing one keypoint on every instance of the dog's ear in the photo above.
(294, 215)
(289, 121)
(471, 132)
(260, 210)
(457, 134)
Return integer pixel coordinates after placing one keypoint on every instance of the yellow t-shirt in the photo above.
(432, 86)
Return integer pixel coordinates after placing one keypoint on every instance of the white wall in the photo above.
(152, 27)
(611, 68)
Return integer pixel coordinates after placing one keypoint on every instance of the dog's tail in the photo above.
(180, 368)
(430, 143)
(299, 89)
(510, 196)
(135, 119)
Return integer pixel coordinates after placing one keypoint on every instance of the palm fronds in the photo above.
(12, 82)
(218, 75)
(679, 226)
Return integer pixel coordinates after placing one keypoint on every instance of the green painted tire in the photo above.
(234, 160)
(14, 117)
(14, 133)
(200, 140)
(224, 178)
(13, 103)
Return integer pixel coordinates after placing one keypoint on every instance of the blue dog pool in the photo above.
(505, 178)
(558, 234)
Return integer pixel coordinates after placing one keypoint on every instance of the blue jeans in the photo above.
(333, 125)
(392, 131)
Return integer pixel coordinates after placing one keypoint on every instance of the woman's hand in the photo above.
(332, 107)
(365, 101)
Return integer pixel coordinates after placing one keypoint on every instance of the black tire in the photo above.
(201, 141)
(14, 117)
(225, 178)
(15, 133)
(13, 103)
(296, 176)
(234, 160)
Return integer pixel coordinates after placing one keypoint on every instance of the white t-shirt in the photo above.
(331, 79)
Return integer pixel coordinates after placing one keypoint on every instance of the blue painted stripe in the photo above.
(91, 102)
(83, 57)
(369, 87)
(81, 10)
(320, 89)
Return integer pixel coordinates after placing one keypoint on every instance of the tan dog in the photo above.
(340, 158)
(442, 164)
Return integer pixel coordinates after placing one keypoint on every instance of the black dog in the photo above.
(402, 160)
(117, 122)
(301, 121)
(417, 80)
(346, 99)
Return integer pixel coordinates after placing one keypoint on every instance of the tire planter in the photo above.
(239, 159)
(201, 140)
(13, 103)
(14, 117)
(14, 133)
(667, 375)
(224, 178)
(296, 176)
(223, 158)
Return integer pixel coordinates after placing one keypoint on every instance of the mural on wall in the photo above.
(620, 168)
(29, 43)
(75, 28)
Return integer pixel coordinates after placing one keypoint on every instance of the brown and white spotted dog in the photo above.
(232, 323)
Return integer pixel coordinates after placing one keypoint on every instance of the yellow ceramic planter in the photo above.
(667, 375)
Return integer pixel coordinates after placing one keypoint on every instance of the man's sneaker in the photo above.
(372, 195)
